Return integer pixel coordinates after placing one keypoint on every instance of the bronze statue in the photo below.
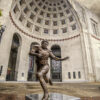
(42, 54)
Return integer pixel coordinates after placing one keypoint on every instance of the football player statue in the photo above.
(42, 54)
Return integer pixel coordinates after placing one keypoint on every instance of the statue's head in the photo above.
(44, 44)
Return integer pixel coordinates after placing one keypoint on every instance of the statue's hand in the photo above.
(66, 58)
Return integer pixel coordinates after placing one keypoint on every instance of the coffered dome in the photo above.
(48, 18)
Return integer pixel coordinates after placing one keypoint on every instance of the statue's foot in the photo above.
(45, 97)
(50, 82)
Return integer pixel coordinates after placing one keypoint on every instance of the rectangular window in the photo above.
(55, 23)
(44, 7)
(42, 13)
(22, 74)
(63, 22)
(40, 4)
(64, 30)
(62, 1)
(36, 9)
(79, 74)
(31, 3)
(61, 14)
(71, 18)
(29, 24)
(22, 2)
(16, 9)
(32, 16)
(36, 0)
(46, 31)
(94, 27)
(39, 20)
(26, 10)
(74, 75)
(64, 6)
(55, 15)
(67, 11)
(73, 27)
(69, 75)
(55, 31)
(1, 67)
(59, 8)
(54, 9)
(46, 3)
(37, 28)
(43, 0)
(47, 22)
(21, 18)
(48, 15)
(49, 9)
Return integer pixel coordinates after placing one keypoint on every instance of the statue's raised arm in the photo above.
(56, 58)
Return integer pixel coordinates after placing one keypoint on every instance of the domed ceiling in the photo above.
(46, 17)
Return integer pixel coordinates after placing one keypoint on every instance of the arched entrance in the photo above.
(32, 66)
(12, 68)
(56, 68)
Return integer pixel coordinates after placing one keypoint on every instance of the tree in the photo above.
(0, 12)
(0, 16)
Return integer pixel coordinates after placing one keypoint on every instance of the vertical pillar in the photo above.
(23, 60)
(5, 47)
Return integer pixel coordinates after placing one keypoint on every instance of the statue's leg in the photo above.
(48, 79)
(40, 75)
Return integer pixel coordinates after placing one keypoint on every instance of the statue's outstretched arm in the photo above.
(32, 53)
(56, 58)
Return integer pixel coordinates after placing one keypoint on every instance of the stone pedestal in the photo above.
(53, 96)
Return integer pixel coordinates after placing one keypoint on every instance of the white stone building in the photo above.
(71, 29)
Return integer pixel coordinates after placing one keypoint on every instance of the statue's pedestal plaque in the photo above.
(52, 96)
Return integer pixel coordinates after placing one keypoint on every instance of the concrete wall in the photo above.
(88, 44)
(71, 48)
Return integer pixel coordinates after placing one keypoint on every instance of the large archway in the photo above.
(56, 67)
(12, 70)
(32, 66)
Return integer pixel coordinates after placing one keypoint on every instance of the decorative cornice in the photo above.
(27, 34)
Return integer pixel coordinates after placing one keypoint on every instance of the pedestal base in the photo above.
(52, 96)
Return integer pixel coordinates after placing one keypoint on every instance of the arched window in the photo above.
(56, 69)
(32, 66)
(12, 70)
(69, 75)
